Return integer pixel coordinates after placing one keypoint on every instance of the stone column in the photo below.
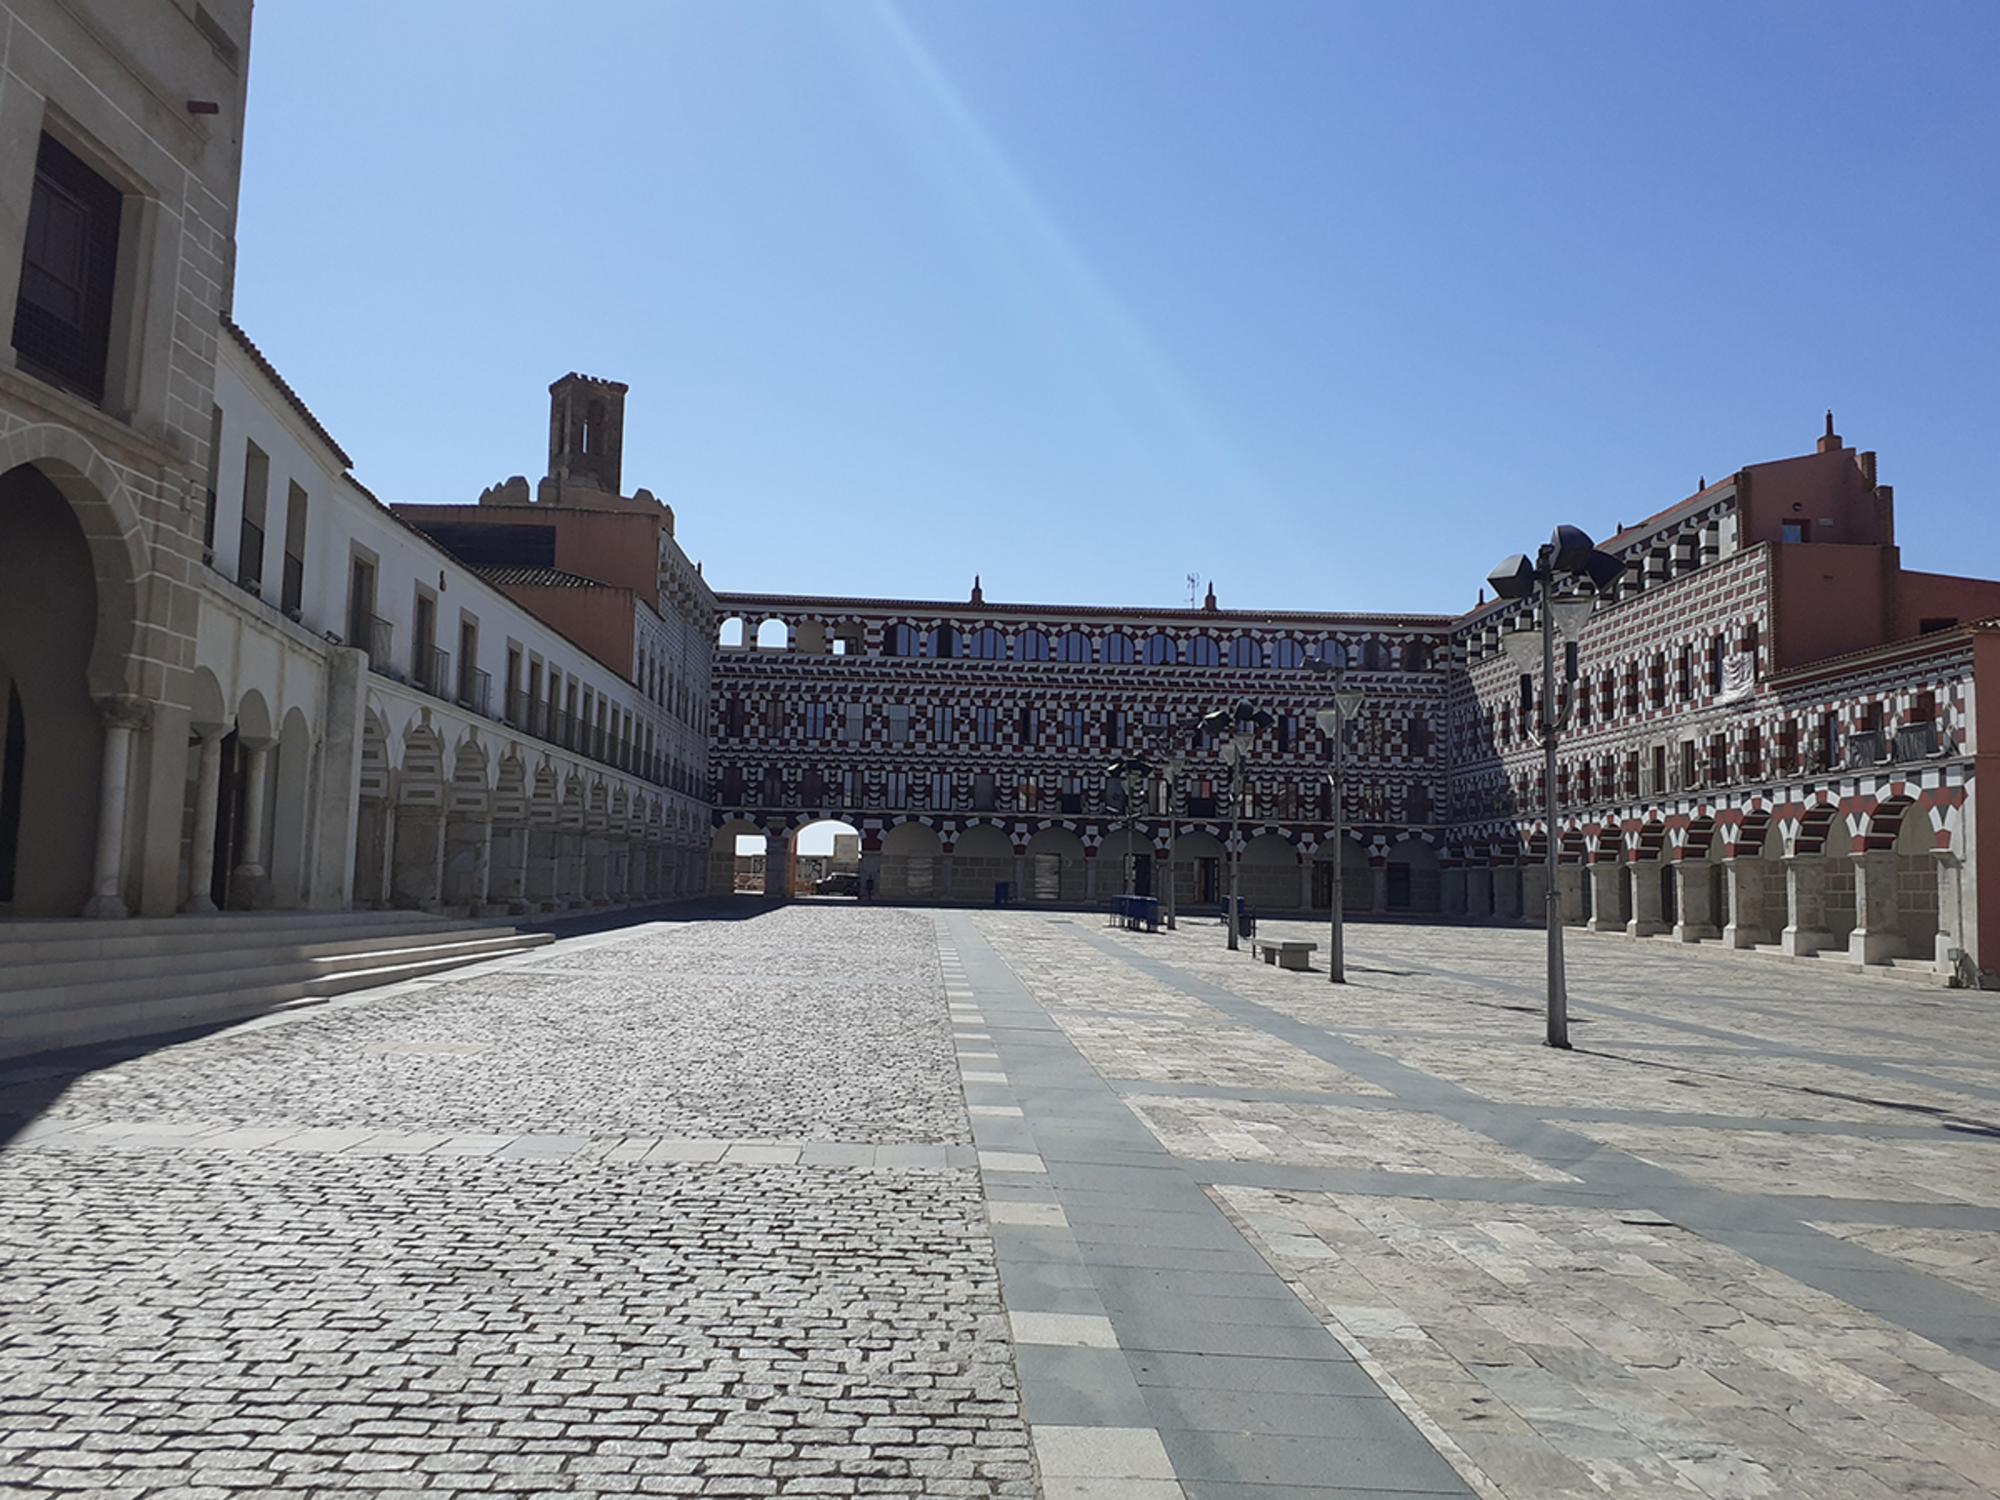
(1607, 879)
(1805, 906)
(250, 881)
(1743, 877)
(1378, 888)
(1648, 914)
(416, 881)
(1874, 938)
(1694, 915)
(778, 865)
(1950, 870)
(1306, 881)
(1089, 874)
(207, 790)
(508, 881)
(1479, 892)
(1534, 892)
(123, 716)
(1020, 891)
(1570, 885)
(1506, 892)
(569, 868)
(1451, 890)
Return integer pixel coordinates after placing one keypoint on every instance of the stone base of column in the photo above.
(1803, 942)
(250, 889)
(1864, 947)
(111, 907)
(1695, 932)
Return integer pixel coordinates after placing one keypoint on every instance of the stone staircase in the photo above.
(68, 983)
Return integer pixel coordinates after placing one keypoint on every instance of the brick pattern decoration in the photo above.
(1020, 739)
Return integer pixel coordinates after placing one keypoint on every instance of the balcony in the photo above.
(431, 671)
(475, 691)
(380, 645)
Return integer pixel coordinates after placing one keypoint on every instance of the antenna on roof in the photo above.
(1193, 589)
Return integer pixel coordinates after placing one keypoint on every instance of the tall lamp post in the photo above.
(1135, 771)
(1333, 724)
(1565, 577)
(1174, 767)
(1237, 729)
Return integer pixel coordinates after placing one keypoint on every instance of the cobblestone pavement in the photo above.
(1743, 1241)
(688, 1209)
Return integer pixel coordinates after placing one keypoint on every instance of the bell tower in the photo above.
(587, 432)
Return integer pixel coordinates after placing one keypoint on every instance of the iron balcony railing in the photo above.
(432, 670)
(380, 643)
(475, 691)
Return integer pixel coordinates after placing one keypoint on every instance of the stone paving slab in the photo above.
(1757, 1259)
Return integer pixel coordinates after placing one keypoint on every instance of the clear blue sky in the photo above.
(1333, 303)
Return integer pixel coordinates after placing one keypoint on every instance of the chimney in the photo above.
(1831, 442)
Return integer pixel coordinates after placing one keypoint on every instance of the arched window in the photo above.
(1203, 652)
(1118, 649)
(1073, 646)
(986, 644)
(1162, 651)
(899, 640)
(1244, 652)
(1374, 656)
(1031, 645)
(773, 635)
(731, 634)
(1416, 656)
(1287, 654)
(1333, 654)
(944, 642)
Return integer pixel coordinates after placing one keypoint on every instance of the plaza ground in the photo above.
(825, 1199)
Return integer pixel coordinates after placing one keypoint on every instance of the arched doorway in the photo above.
(982, 857)
(1415, 883)
(1199, 878)
(1270, 874)
(1357, 881)
(1125, 863)
(1055, 867)
(51, 742)
(826, 859)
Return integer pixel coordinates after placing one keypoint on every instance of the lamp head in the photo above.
(1569, 549)
(1514, 578)
(1602, 569)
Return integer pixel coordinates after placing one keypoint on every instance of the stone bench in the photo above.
(1287, 953)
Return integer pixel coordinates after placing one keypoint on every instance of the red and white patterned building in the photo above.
(1774, 740)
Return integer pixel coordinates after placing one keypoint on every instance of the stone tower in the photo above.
(587, 432)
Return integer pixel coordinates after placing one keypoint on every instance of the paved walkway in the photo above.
(844, 1201)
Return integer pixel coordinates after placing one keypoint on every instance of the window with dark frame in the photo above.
(69, 266)
(293, 587)
(250, 539)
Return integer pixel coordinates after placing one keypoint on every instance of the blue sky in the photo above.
(1335, 304)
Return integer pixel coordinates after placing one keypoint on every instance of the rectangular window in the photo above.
(815, 721)
(899, 726)
(214, 484)
(941, 789)
(898, 789)
(1073, 726)
(423, 640)
(250, 541)
(468, 663)
(69, 264)
(985, 723)
(1793, 531)
(292, 599)
(361, 610)
(941, 724)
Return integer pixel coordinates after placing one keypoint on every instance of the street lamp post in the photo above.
(1565, 577)
(1237, 728)
(1333, 724)
(1131, 771)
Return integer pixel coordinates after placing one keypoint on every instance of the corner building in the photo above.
(1773, 742)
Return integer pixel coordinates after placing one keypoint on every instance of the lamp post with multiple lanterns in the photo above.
(1237, 729)
(1133, 776)
(1565, 578)
(1333, 722)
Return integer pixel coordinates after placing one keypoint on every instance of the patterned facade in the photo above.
(1772, 740)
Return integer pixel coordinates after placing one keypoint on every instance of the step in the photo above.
(493, 945)
(74, 968)
(35, 929)
(107, 1018)
(266, 968)
(343, 982)
(49, 1031)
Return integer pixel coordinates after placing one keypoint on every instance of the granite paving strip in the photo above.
(1763, 1228)
(1142, 1251)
